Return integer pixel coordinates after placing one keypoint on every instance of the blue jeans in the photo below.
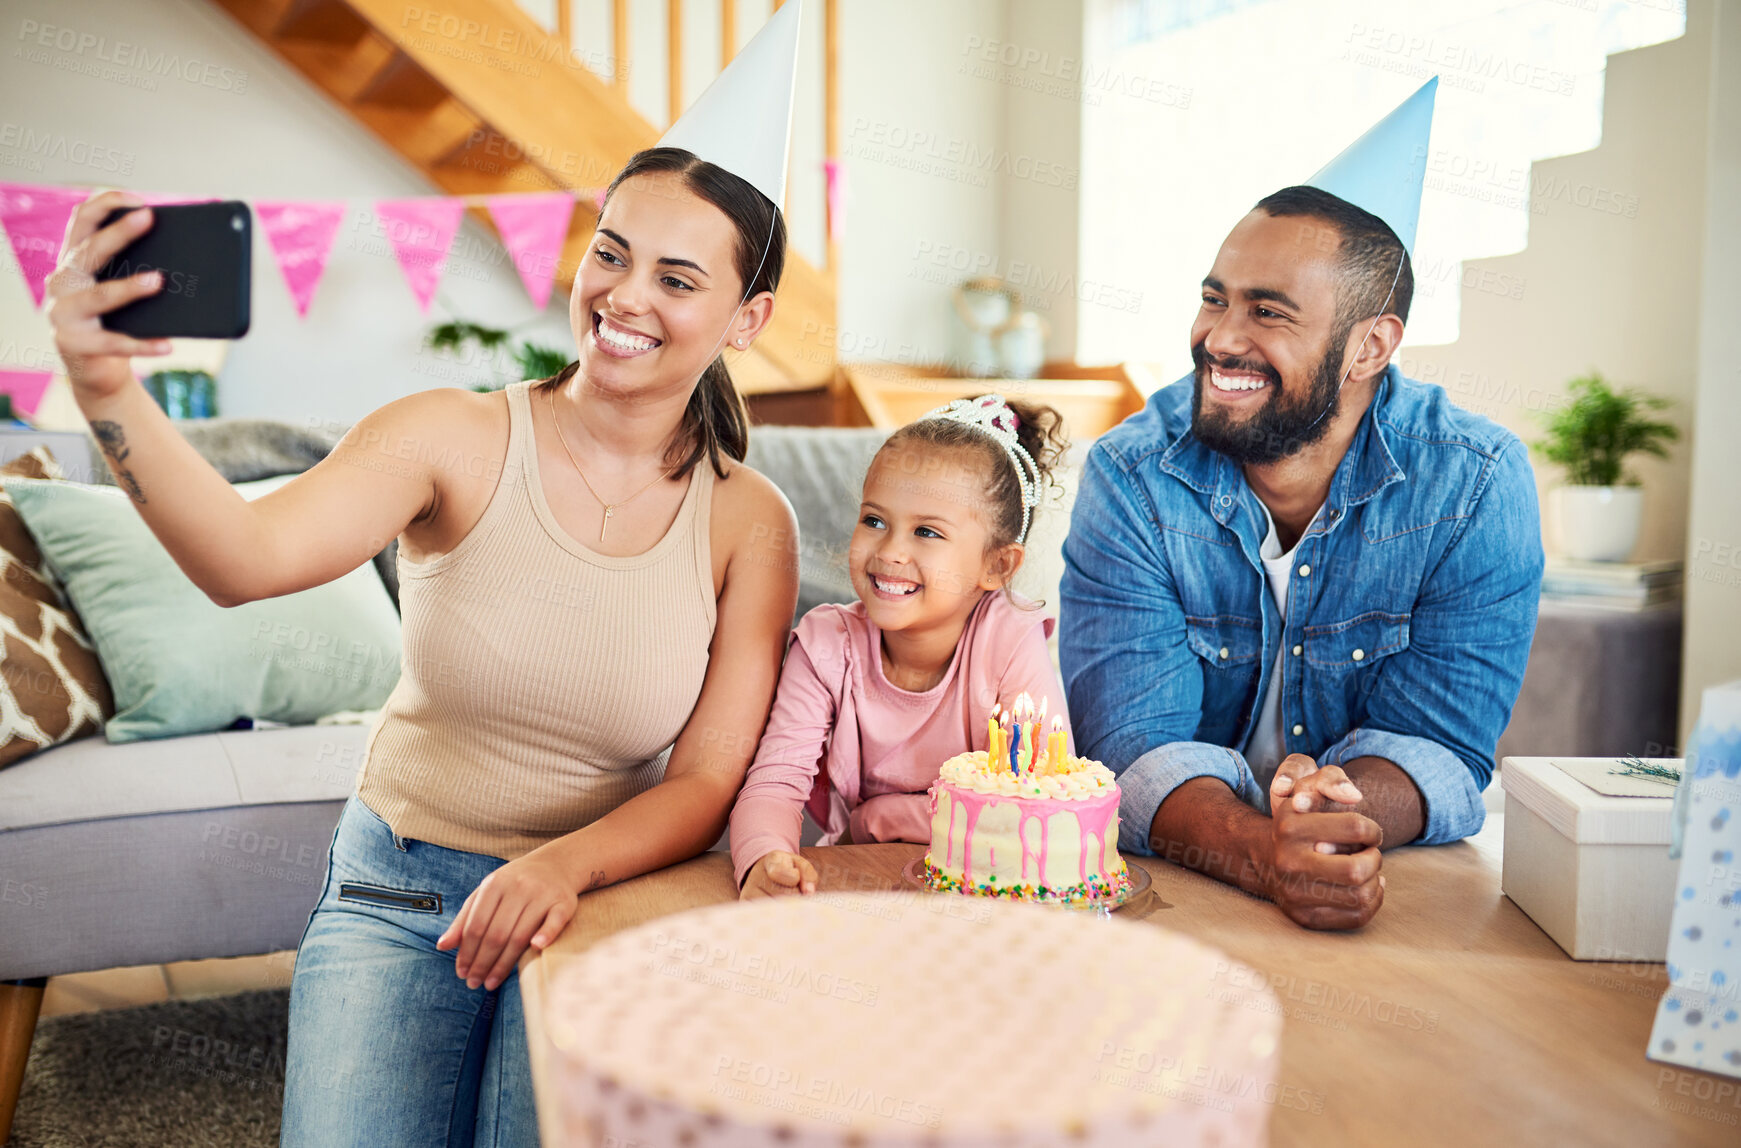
(387, 1045)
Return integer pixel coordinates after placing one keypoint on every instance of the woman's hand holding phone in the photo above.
(96, 358)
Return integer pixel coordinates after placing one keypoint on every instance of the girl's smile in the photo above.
(893, 589)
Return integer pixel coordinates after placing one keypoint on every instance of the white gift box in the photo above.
(1592, 870)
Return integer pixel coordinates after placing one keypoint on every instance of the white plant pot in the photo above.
(1599, 523)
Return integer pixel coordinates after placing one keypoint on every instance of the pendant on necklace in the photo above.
(609, 509)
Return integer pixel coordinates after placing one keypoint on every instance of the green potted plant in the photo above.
(184, 394)
(531, 360)
(1601, 505)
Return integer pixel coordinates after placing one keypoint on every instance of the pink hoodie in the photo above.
(841, 736)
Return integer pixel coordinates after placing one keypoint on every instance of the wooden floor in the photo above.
(149, 984)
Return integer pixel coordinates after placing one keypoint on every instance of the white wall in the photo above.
(1712, 652)
(1611, 290)
(1175, 153)
(914, 130)
(1039, 64)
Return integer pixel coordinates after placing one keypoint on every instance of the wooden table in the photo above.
(1451, 1019)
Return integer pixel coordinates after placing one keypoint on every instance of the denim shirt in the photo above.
(1410, 612)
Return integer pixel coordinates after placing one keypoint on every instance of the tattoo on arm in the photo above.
(113, 440)
(596, 881)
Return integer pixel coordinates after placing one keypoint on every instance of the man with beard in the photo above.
(1300, 588)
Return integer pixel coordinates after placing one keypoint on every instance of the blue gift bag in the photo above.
(1698, 1023)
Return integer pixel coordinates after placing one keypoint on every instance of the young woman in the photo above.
(595, 607)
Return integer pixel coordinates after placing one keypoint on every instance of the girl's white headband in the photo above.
(992, 415)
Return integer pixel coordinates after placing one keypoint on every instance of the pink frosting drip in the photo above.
(974, 809)
(1044, 824)
(1095, 816)
(1022, 836)
(949, 848)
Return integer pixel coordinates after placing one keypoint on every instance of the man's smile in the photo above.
(1234, 381)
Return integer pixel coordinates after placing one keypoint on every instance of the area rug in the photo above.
(190, 1074)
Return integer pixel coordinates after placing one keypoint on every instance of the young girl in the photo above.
(875, 696)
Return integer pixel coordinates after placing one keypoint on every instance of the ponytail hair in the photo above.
(716, 422)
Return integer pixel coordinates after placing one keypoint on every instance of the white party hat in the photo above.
(743, 121)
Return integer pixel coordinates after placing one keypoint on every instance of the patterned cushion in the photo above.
(53, 688)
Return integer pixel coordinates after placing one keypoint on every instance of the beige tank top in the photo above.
(542, 684)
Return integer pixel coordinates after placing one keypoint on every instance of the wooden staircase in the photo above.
(483, 101)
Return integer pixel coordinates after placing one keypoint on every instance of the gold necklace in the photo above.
(610, 507)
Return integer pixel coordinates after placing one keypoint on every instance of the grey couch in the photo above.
(215, 845)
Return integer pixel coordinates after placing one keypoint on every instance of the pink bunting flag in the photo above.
(533, 229)
(35, 219)
(25, 387)
(421, 231)
(301, 234)
(836, 190)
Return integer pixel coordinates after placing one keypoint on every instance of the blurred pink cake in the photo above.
(839, 1020)
(1038, 827)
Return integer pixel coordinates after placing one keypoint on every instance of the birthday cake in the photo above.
(1026, 821)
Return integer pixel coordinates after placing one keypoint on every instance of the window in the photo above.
(1196, 109)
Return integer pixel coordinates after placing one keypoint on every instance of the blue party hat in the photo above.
(1383, 170)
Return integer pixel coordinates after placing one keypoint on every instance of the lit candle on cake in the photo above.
(1055, 746)
(994, 739)
(1039, 727)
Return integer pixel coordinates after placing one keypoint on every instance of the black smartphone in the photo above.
(205, 252)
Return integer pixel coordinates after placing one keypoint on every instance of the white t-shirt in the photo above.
(1268, 744)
